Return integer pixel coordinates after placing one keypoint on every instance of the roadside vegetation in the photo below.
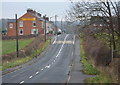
(99, 22)
(18, 61)
(9, 46)
(90, 69)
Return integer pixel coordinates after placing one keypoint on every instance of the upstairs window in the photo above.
(11, 25)
(21, 23)
(34, 23)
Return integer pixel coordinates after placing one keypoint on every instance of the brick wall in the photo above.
(27, 25)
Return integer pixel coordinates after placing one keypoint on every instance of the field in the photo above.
(9, 46)
(19, 61)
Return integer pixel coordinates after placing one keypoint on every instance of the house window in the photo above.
(21, 23)
(21, 31)
(42, 24)
(34, 31)
(34, 23)
(11, 25)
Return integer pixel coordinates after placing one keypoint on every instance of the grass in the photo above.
(102, 78)
(89, 68)
(9, 46)
(19, 61)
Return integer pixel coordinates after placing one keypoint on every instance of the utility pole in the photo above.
(16, 36)
(45, 28)
(56, 22)
(61, 23)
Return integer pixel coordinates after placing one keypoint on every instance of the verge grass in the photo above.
(19, 61)
(90, 69)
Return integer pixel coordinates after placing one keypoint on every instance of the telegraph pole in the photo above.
(61, 23)
(17, 52)
(45, 28)
(56, 22)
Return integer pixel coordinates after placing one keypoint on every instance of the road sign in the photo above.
(28, 19)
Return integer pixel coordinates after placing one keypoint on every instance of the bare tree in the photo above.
(107, 12)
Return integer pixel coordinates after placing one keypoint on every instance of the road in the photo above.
(52, 67)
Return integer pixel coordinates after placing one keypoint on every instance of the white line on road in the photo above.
(48, 66)
(45, 66)
(21, 82)
(62, 46)
(36, 73)
(55, 40)
(68, 79)
(74, 40)
(30, 77)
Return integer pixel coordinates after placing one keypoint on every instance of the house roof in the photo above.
(11, 20)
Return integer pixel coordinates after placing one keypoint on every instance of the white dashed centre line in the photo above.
(21, 82)
(30, 77)
(36, 73)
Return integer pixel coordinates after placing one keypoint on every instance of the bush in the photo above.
(97, 50)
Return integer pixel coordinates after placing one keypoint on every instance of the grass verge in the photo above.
(90, 69)
(19, 61)
(101, 78)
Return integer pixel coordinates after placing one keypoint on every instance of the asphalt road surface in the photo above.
(52, 67)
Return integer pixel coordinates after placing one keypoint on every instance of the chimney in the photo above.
(30, 10)
(39, 14)
(34, 12)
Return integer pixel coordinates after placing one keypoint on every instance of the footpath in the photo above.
(76, 75)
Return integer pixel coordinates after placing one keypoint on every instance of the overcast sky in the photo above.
(49, 8)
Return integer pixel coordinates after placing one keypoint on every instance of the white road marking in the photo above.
(36, 73)
(49, 66)
(30, 77)
(62, 46)
(74, 40)
(45, 66)
(55, 40)
(22, 82)
(68, 79)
